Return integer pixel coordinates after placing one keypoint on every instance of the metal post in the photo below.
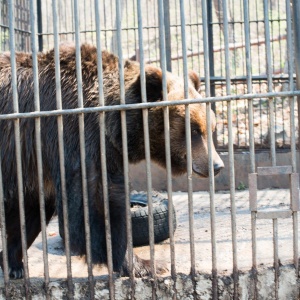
(211, 58)
(18, 156)
(296, 27)
(167, 34)
(40, 24)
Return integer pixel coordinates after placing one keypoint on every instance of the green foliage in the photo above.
(241, 186)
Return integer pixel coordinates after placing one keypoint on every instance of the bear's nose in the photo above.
(218, 167)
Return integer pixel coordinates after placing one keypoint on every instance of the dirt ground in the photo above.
(268, 199)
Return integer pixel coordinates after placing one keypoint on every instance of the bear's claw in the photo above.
(16, 273)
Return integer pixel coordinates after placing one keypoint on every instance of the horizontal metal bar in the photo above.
(278, 170)
(16, 29)
(252, 181)
(295, 205)
(143, 105)
(111, 29)
(254, 78)
(274, 214)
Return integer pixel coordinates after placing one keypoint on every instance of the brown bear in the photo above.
(114, 158)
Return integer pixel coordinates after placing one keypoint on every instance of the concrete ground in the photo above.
(270, 199)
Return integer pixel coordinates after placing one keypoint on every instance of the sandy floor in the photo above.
(268, 199)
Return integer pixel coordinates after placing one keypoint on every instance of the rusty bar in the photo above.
(124, 140)
(279, 170)
(249, 84)
(276, 259)
(61, 150)
(34, 47)
(3, 236)
(296, 43)
(251, 140)
(230, 153)
(168, 34)
(295, 242)
(188, 143)
(11, 7)
(254, 248)
(82, 152)
(163, 64)
(212, 203)
(291, 54)
(290, 59)
(274, 214)
(211, 172)
(145, 119)
(103, 150)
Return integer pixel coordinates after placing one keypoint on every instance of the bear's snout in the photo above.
(218, 167)
(218, 163)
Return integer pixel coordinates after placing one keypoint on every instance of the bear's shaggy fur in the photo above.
(114, 158)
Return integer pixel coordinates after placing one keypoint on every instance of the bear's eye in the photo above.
(195, 131)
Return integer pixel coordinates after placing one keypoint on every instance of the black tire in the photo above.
(139, 215)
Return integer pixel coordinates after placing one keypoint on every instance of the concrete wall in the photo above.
(222, 181)
(201, 288)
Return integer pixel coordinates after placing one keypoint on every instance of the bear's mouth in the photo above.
(197, 171)
(201, 175)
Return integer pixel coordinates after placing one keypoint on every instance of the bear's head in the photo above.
(198, 121)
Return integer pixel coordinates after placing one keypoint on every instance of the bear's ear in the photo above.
(195, 79)
(153, 83)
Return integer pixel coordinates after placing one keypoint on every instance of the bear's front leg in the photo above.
(33, 228)
(141, 267)
(15, 264)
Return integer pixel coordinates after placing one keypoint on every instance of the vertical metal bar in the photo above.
(276, 259)
(162, 50)
(271, 131)
(209, 138)
(34, 44)
(145, 111)
(188, 142)
(296, 27)
(82, 151)
(40, 24)
(61, 149)
(249, 84)
(292, 106)
(269, 77)
(124, 140)
(168, 34)
(251, 136)
(103, 152)
(230, 152)
(290, 57)
(212, 202)
(11, 8)
(3, 236)
(211, 60)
